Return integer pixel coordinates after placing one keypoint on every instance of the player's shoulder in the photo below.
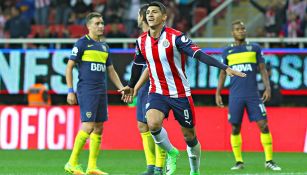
(228, 46)
(144, 34)
(82, 40)
(255, 46)
(173, 31)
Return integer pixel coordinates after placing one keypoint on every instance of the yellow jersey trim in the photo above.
(95, 56)
(240, 58)
(87, 37)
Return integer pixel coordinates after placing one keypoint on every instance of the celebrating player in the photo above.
(163, 49)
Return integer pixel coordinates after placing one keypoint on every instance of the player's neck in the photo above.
(155, 31)
(145, 28)
(240, 42)
(95, 37)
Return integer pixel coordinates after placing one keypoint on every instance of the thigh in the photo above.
(184, 112)
(255, 109)
(141, 106)
(158, 102)
(236, 110)
(93, 108)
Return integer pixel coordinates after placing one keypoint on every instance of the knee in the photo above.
(264, 128)
(154, 126)
(143, 127)
(189, 135)
(236, 130)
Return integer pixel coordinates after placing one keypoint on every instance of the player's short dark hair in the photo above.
(238, 21)
(142, 11)
(158, 4)
(92, 15)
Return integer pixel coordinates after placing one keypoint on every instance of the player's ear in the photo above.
(164, 17)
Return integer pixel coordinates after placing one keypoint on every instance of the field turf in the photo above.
(133, 162)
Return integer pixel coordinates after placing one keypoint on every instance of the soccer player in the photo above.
(244, 94)
(155, 156)
(163, 49)
(91, 55)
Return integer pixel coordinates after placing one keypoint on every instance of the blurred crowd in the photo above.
(66, 18)
(283, 18)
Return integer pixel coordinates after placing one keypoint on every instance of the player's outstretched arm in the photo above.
(232, 73)
(71, 96)
(218, 97)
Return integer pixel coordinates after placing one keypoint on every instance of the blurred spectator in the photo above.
(63, 11)
(185, 9)
(132, 9)
(276, 96)
(100, 6)
(38, 93)
(275, 16)
(292, 29)
(80, 9)
(2, 23)
(116, 32)
(42, 12)
(27, 9)
(298, 7)
(17, 26)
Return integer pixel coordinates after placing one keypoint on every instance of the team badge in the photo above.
(88, 114)
(104, 48)
(165, 43)
(74, 51)
(184, 39)
(249, 48)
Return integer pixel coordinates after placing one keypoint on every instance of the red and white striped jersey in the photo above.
(166, 61)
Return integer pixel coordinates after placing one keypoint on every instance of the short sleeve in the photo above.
(186, 45)
(259, 54)
(224, 55)
(76, 52)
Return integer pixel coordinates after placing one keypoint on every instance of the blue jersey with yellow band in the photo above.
(92, 59)
(244, 58)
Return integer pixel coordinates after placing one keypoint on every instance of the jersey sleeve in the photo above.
(76, 52)
(109, 60)
(138, 57)
(186, 45)
(224, 56)
(259, 54)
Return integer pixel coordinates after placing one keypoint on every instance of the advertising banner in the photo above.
(23, 127)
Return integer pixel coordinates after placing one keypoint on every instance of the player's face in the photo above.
(154, 16)
(239, 32)
(96, 26)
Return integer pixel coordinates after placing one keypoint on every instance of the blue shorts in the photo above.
(141, 103)
(254, 106)
(93, 108)
(183, 108)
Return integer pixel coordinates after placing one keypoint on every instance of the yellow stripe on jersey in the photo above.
(240, 58)
(95, 56)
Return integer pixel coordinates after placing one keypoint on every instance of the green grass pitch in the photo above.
(133, 162)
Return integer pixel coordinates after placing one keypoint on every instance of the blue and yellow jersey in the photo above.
(244, 58)
(92, 59)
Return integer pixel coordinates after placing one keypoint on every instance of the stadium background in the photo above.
(41, 46)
